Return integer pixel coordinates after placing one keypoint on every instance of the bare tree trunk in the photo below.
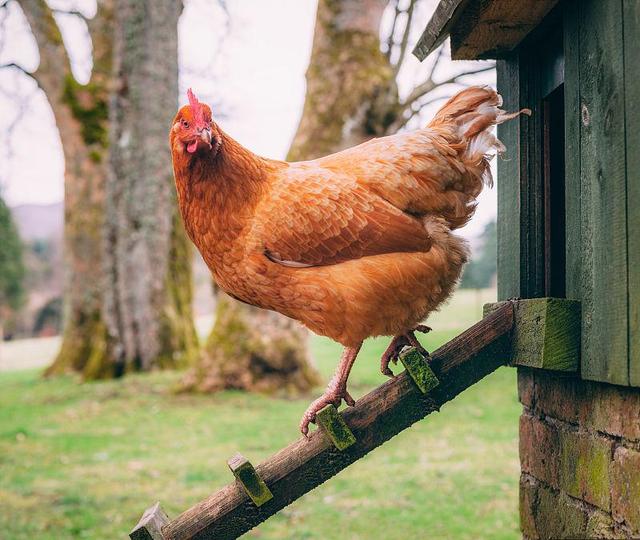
(253, 349)
(158, 285)
(81, 117)
(347, 79)
(145, 320)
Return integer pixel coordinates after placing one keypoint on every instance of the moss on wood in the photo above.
(332, 423)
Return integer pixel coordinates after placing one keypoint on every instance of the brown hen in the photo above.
(352, 245)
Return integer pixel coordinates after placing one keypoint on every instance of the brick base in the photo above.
(580, 458)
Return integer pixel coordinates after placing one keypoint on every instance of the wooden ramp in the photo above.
(343, 438)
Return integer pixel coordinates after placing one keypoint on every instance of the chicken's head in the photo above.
(193, 130)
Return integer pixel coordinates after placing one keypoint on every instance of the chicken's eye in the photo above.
(185, 124)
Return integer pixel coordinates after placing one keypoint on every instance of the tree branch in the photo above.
(429, 85)
(73, 12)
(54, 62)
(405, 38)
(390, 40)
(13, 65)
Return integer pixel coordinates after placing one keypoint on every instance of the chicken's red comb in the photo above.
(196, 108)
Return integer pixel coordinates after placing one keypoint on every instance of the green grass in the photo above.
(84, 460)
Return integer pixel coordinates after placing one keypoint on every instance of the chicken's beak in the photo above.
(205, 136)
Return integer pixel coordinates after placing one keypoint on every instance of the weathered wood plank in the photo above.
(150, 525)
(631, 13)
(250, 481)
(493, 28)
(546, 333)
(438, 27)
(508, 82)
(572, 124)
(604, 218)
(334, 426)
(374, 419)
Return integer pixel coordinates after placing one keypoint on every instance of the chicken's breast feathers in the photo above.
(314, 216)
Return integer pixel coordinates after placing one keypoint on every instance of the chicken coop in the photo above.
(569, 232)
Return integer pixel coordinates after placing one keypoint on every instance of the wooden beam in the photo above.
(438, 27)
(546, 333)
(376, 417)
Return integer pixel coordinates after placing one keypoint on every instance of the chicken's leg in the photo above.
(336, 390)
(392, 352)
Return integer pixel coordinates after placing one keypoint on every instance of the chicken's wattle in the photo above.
(192, 147)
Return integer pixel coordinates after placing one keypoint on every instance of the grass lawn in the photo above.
(84, 460)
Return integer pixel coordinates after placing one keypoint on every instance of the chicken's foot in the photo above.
(336, 390)
(392, 352)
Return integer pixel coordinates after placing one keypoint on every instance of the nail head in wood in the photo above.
(419, 370)
(332, 423)
(150, 525)
(248, 477)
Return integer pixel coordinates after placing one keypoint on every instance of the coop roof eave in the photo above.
(481, 29)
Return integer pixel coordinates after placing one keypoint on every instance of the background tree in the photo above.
(481, 270)
(93, 343)
(148, 282)
(11, 268)
(354, 79)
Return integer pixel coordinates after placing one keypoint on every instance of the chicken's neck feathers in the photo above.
(217, 194)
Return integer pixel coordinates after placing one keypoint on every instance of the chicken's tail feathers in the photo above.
(473, 112)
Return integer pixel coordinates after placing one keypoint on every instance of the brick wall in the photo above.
(580, 458)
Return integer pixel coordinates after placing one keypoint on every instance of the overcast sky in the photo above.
(250, 63)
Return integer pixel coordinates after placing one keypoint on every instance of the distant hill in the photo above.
(39, 221)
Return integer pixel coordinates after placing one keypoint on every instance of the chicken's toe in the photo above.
(330, 397)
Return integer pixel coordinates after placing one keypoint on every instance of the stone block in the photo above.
(625, 488)
(584, 467)
(540, 449)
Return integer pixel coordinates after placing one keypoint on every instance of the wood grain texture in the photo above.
(493, 28)
(604, 217)
(631, 14)
(508, 81)
(375, 418)
(572, 151)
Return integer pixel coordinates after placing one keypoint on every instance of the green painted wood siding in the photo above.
(604, 289)
(602, 191)
(631, 23)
